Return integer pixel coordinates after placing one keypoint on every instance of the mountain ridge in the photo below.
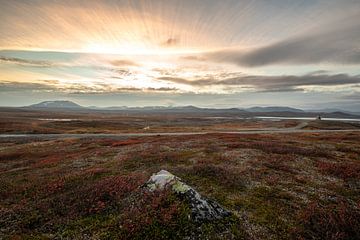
(56, 104)
(66, 104)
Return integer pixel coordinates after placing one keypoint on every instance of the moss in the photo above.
(348, 193)
(95, 225)
(227, 228)
(33, 236)
(266, 207)
(32, 220)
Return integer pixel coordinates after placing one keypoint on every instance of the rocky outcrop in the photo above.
(202, 209)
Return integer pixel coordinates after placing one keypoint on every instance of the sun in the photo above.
(97, 48)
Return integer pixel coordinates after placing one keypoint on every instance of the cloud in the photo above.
(198, 82)
(47, 86)
(162, 89)
(74, 88)
(355, 96)
(121, 73)
(8, 86)
(25, 62)
(271, 83)
(332, 43)
(193, 58)
(123, 63)
(171, 42)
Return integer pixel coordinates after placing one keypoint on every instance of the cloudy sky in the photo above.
(229, 53)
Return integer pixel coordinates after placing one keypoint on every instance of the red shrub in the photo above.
(95, 171)
(342, 170)
(49, 160)
(272, 180)
(279, 162)
(108, 191)
(10, 156)
(221, 175)
(81, 198)
(55, 186)
(160, 207)
(125, 143)
(334, 221)
(279, 148)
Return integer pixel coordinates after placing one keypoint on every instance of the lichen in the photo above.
(180, 187)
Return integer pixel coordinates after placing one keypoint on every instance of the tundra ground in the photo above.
(278, 186)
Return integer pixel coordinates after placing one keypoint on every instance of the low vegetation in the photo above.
(37, 121)
(278, 186)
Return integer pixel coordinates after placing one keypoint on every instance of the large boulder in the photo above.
(202, 209)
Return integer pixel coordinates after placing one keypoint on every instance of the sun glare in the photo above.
(135, 49)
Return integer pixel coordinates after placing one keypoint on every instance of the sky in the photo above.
(206, 53)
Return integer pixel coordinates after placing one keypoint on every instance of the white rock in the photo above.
(161, 179)
(202, 208)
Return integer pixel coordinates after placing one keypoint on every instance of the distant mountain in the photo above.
(332, 110)
(56, 104)
(245, 112)
(273, 109)
(112, 108)
(325, 110)
(193, 109)
(177, 109)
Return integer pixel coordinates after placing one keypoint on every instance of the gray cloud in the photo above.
(26, 62)
(75, 88)
(123, 63)
(8, 86)
(162, 89)
(272, 83)
(355, 96)
(121, 73)
(171, 42)
(199, 82)
(333, 43)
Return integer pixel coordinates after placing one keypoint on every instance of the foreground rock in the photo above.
(202, 209)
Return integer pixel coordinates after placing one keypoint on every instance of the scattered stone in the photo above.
(202, 209)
